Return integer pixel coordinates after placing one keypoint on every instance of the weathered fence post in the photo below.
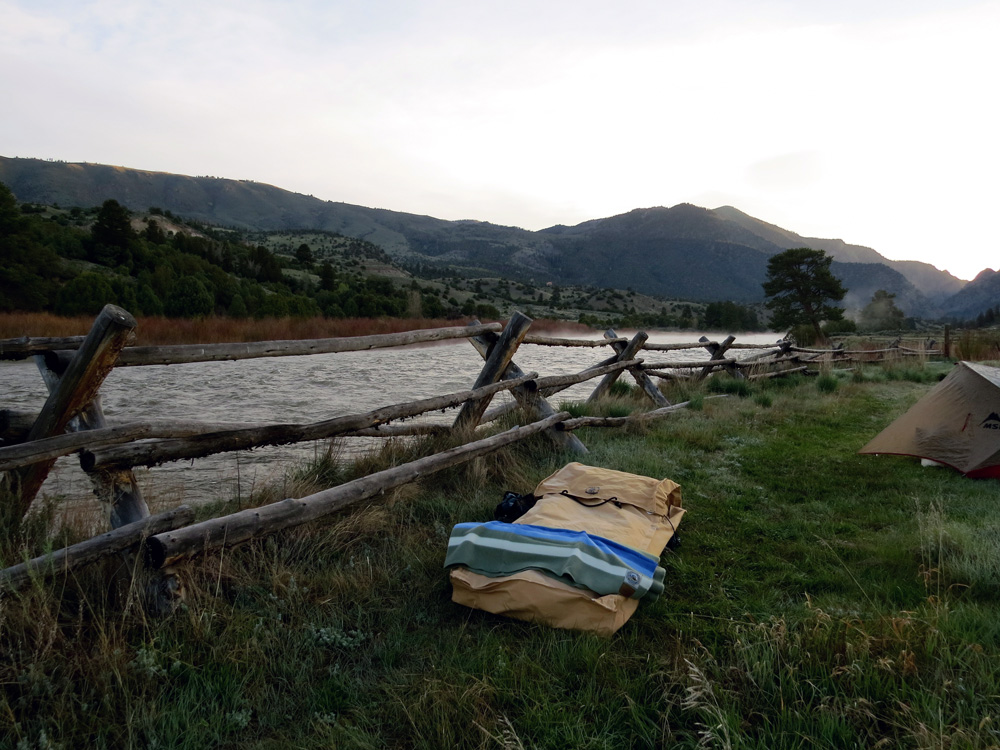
(947, 342)
(497, 361)
(718, 351)
(528, 399)
(116, 490)
(894, 345)
(644, 381)
(77, 388)
(627, 351)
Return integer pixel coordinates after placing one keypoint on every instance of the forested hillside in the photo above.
(684, 252)
(74, 261)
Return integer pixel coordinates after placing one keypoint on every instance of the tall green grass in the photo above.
(978, 345)
(819, 598)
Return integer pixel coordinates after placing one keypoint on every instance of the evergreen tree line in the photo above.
(50, 263)
(988, 318)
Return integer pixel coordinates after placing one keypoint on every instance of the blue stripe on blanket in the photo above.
(641, 561)
(585, 560)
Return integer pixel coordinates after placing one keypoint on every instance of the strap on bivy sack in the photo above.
(580, 558)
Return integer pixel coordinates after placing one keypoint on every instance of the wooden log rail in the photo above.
(555, 383)
(578, 422)
(777, 373)
(77, 555)
(700, 345)
(197, 446)
(641, 417)
(549, 341)
(893, 349)
(769, 354)
(237, 528)
(188, 353)
(678, 365)
(28, 346)
(24, 454)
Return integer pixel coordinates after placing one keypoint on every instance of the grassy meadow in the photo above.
(818, 599)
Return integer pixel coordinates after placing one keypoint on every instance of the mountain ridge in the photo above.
(684, 251)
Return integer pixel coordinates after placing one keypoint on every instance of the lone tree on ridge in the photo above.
(800, 288)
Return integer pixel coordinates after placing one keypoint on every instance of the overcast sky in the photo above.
(871, 121)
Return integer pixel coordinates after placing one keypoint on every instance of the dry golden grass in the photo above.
(153, 331)
(217, 329)
(17, 324)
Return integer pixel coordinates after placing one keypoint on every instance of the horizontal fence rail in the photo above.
(189, 353)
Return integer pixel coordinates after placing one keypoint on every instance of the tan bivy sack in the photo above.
(648, 517)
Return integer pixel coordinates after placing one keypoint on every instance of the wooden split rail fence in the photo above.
(72, 421)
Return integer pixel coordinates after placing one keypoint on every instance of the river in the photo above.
(293, 389)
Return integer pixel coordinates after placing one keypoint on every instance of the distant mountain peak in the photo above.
(985, 274)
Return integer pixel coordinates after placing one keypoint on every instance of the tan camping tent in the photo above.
(957, 423)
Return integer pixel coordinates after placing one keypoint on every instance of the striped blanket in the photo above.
(603, 566)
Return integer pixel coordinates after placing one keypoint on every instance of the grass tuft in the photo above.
(730, 386)
(827, 382)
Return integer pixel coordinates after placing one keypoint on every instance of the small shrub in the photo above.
(731, 386)
(575, 408)
(764, 399)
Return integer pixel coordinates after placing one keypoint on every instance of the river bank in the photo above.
(819, 599)
(159, 331)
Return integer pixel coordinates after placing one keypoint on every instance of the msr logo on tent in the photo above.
(992, 422)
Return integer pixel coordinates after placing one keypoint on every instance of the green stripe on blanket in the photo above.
(498, 549)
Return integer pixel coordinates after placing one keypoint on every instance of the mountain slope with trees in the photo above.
(979, 295)
(680, 252)
(73, 261)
